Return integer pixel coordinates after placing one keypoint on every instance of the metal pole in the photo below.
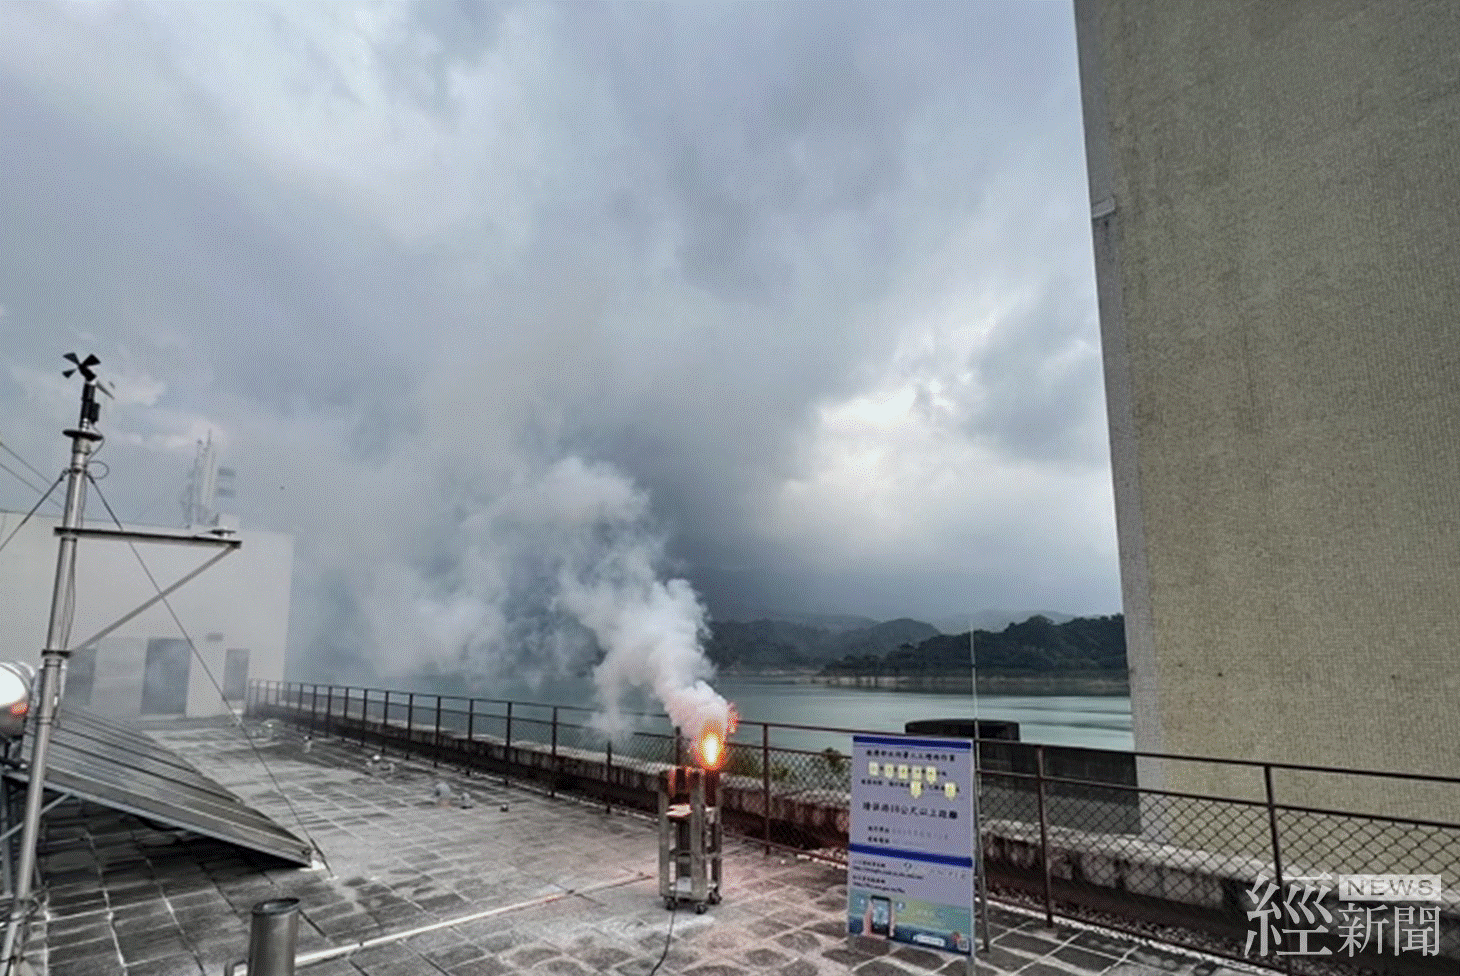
(507, 747)
(329, 711)
(273, 937)
(765, 779)
(347, 706)
(313, 707)
(553, 784)
(53, 663)
(1043, 835)
(436, 742)
(471, 719)
(978, 865)
(1277, 852)
(608, 777)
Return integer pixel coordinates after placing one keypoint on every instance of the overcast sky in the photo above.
(815, 276)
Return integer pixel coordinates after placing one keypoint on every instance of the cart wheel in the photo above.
(700, 908)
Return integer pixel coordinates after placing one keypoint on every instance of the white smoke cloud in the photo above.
(562, 558)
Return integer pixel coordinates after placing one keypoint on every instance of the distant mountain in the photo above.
(774, 645)
(995, 620)
(833, 622)
(880, 638)
(1038, 645)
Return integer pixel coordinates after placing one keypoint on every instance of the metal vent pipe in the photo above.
(273, 937)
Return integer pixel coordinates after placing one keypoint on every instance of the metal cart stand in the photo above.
(690, 837)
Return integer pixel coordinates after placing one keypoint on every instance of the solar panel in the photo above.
(119, 767)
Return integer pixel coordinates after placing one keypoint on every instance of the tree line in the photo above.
(1084, 645)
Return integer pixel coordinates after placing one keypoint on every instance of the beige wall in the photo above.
(241, 602)
(1277, 240)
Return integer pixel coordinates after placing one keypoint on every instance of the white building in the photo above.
(237, 612)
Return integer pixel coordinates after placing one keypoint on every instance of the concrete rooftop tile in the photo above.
(529, 884)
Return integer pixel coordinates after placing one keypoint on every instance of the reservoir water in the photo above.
(1098, 722)
(1092, 721)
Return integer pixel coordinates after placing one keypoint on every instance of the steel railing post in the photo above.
(436, 737)
(1277, 851)
(471, 734)
(329, 711)
(507, 748)
(1043, 835)
(410, 722)
(607, 776)
(765, 780)
(553, 784)
(385, 723)
(313, 707)
(346, 707)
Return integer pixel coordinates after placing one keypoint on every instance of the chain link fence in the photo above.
(1263, 862)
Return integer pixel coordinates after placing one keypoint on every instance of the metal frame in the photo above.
(691, 837)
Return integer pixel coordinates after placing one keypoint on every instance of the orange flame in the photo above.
(711, 747)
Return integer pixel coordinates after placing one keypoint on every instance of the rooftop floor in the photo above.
(518, 882)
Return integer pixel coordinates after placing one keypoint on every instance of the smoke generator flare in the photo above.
(712, 747)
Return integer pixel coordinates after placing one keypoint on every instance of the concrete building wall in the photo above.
(240, 603)
(1274, 194)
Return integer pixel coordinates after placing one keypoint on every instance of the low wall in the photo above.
(1112, 871)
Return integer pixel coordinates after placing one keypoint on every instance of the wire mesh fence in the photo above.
(1266, 862)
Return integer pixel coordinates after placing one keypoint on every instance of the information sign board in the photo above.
(910, 870)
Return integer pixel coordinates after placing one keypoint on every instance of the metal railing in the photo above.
(1127, 840)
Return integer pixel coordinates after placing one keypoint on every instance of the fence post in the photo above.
(553, 780)
(507, 747)
(329, 711)
(765, 780)
(347, 706)
(410, 724)
(1043, 835)
(608, 776)
(313, 708)
(436, 738)
(1272, 833)
(385, 723)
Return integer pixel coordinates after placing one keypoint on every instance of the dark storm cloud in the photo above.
(400, 254)
(1041, 385)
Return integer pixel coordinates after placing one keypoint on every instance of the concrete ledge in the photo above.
(1169, 880)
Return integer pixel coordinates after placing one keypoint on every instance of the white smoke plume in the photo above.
(561, 558)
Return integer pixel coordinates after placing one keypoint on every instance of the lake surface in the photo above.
(1099, 722)
(1093, 721)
